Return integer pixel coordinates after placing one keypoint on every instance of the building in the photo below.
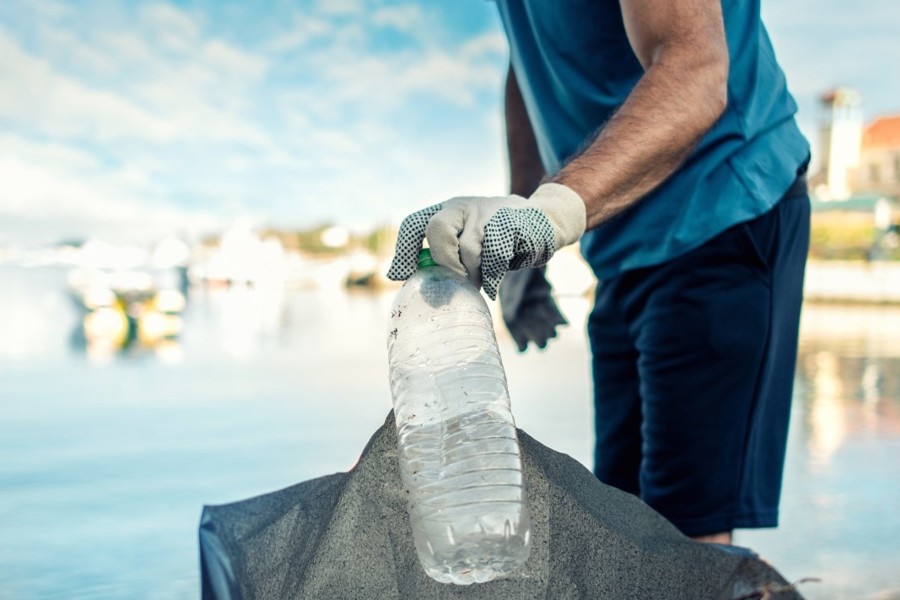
(856, 158)
(856, 213)
(879, 163)
(840, 137)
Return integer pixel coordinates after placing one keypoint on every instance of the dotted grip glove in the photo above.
(529, 311)
(483, 238)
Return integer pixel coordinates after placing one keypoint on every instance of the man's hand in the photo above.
(483, 238)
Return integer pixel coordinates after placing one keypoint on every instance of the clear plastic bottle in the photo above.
(459, 455)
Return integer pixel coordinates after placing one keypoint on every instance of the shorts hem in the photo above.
(728, 522)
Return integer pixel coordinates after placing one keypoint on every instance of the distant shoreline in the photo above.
(826, 280)
(854, 282)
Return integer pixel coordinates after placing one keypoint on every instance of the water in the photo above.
(839, 517)
(459, 457)
(105, 463)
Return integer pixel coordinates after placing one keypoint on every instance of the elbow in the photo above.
(706, 99)
(707, 70)
(709, 101)
(700, 80)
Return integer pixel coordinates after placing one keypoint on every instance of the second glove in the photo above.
(528, 308)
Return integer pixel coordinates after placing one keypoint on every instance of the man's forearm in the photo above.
(525, 168)
(680, 96)
(640, 146)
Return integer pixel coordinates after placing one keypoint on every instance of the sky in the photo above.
(133, 120)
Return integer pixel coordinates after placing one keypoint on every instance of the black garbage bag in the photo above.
(348, 535)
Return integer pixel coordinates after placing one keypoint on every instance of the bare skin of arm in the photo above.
(525, 169)
(681, 45)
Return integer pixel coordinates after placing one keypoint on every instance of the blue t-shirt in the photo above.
(575, 67)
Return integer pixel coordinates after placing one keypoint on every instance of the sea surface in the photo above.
(106, 460)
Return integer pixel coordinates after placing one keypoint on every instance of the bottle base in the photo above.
(466, 567)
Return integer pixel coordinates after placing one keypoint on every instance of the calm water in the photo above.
(106, 462)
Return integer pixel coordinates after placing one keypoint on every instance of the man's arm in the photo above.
(526, 304)
(525, 168)
(681, 45)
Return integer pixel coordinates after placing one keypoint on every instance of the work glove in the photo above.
(528, 308)
(483, 238)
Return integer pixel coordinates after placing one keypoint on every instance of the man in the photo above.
(665, 129)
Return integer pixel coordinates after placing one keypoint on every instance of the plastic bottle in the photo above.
(459, 455)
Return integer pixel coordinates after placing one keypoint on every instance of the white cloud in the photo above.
(300, 123)
(48, 152)
(194, 118)
(40, 177)
(51, 190)
(304, 29)
(127, 49)
(340, 7)
(821, 43)
(491, 43)
(163, 100)
(449, 77)
(78, 54)
(172, 27)
(228, 59)
(34, 95)
(51, 9)
(381, 82)
(407, 17)
(824, 43)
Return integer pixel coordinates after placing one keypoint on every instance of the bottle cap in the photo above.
(425, 259)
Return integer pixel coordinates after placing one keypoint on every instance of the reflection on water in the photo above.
(848, 396)
(246, 318)
(126, 311)
(112, 460)
(842, 480)
(850, 363)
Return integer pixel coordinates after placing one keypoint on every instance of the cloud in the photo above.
(341, 7)
(824, 43)
(52, 9)
(224, 58)
(304, 29)
(35, 96)
(359, 80)
(317, 110)
(162, 100)
(173, 28)
(455, 78)
(406, 17)
(328, 112)
(53, 190)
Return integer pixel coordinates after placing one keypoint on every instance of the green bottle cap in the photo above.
(425, 259)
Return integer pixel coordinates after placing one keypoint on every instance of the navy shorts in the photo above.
(693, 364)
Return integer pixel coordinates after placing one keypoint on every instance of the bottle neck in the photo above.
(425, 259)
